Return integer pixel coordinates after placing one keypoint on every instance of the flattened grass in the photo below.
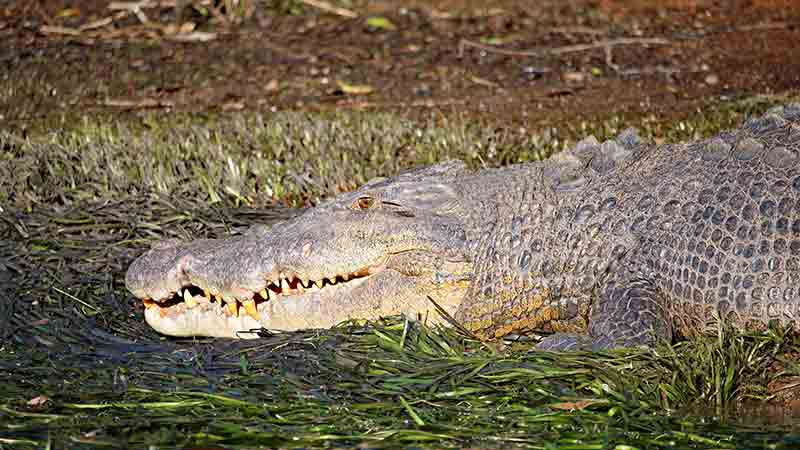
(80, 369)
(392, 383)
(256, 159)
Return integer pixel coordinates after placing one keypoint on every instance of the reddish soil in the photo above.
(503, 62)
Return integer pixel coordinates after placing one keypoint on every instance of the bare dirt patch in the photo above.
(500, 62)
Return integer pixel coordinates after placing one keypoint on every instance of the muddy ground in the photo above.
(511, 64)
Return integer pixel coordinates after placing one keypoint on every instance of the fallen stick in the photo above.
(605, 44)
(325, 6)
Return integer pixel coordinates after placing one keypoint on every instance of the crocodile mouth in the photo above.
(242, 313)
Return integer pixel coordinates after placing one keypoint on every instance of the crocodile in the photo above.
(608, 244)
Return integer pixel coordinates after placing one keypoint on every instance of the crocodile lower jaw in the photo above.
(284, 306)
(178, 321)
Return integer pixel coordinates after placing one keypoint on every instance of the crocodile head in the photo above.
(378, 251)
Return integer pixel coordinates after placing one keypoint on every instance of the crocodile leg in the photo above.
(629, 312)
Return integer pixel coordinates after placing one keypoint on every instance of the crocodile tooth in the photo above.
(264, 294)
(189, 301)
(187, 295)
(232, 308)
(284, 286)
(149, 303)
(250, 307)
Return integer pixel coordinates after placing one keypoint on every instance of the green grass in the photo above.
(392, 383)
(80, 369)
(254, 159)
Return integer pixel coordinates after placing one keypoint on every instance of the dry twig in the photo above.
(51, 29)
(134, 8)
(605, 44)
(327, 7)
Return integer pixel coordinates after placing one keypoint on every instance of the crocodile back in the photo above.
(715, 224)
(724, 231)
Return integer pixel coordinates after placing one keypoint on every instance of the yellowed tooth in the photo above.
(232, 308)
(264, 294)
(250, 307)
(149, 303)
(189, 301)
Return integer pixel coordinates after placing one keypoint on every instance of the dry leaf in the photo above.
(39, 401)
(576, 405)
(68, 12)
(381, 23)
(355, 89)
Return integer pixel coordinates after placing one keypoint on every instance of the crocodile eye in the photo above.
(364, 203)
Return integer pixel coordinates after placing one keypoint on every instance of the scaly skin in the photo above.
(604, 245)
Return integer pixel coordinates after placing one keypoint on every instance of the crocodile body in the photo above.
(607, 244)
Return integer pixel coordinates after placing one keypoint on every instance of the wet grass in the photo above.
(80, 369)
(389, 383)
